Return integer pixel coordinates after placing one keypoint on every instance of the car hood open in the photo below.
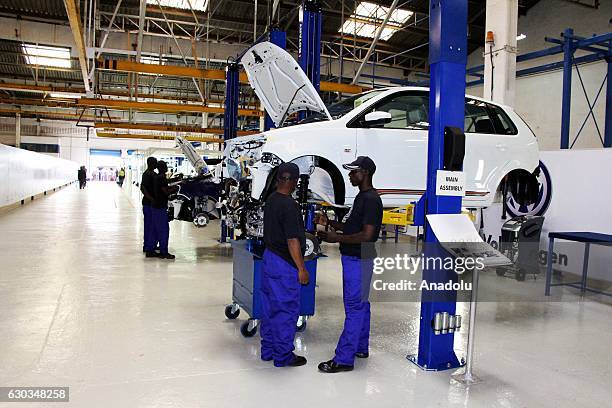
(279, 82)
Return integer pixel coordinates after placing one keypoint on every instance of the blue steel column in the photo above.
(568, 57)
(230, 118)
(279, 38)
(608, 134)
(232, 88)
(447, 59)
(310, 42)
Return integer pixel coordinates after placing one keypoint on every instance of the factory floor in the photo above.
(80, 306)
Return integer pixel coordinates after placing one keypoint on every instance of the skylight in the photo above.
(367, 17)
(44, 55)
(200, 5)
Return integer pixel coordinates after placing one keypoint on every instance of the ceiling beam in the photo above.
(167, 128)
(77, 32)
(159, 107)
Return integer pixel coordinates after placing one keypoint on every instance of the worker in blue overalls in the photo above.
(360, 231)
(148, 196)
(283, 270)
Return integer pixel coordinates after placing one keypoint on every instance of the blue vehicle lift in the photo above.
(248, 253)
(598, 47)
(310, 43)
(447, 59)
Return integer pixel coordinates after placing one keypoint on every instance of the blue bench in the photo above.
(587, 238)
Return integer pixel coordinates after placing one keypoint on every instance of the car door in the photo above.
(486, 147)
(399, 148)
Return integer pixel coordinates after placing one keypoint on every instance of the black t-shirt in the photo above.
(161, 198)
(282, 221)
(367, 209)
(148, 181)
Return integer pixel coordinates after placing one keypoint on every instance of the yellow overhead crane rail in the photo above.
(192, 138)
(159, 107)
(199, 73)
(166, 128)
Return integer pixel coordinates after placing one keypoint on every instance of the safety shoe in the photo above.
(297, 361)
(332, 367)
(362, 354)
(166, 256)
(152, 254)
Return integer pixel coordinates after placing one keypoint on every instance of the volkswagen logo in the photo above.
(544, 197)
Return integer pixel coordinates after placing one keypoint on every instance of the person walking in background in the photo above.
(147, 185)
(160, 209)
(121, 176)
(82, 177)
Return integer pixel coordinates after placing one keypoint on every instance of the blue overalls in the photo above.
(161, 228)
(149, 231)
(280, 302)
(356, 278)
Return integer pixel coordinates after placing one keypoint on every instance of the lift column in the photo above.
(447, 59)
(310, 42)
(230, 118)
(277, 37)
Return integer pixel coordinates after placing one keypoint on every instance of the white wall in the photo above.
(538, 97)
(25, 174)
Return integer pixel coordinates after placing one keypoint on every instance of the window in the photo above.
(501, 121)
(44, 55)
(477, 118)
(367, 17)
(40, 147)
(408, 111)
(200, 5)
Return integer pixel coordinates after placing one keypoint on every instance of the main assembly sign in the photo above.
(450, 183)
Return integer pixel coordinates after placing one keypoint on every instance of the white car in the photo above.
(389, 125)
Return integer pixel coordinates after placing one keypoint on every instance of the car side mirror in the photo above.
(376, 119)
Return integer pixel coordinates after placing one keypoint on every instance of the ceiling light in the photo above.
(368, 17)
(65, 95)
(520, 37)
(200, 5)
(145, 59)
(48, 56)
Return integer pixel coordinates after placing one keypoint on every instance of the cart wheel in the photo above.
(230, 314)
(500, 271)
(520, 275)
(301, 326)
(244, 329)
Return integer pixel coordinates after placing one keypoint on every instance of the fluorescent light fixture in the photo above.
(368, 17)
(64, 95)
(48, 56)
(145, 59)
(520, 37)
(200, 5)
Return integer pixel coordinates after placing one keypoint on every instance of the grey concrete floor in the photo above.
(81, 307)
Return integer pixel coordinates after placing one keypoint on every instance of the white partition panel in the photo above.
(24, 174)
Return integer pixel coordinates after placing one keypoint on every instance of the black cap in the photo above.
(361, 162)
(288, 168)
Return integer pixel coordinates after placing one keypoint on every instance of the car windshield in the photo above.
(339, 109)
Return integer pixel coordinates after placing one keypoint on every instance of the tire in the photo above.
(244, 329)
(520, 275)
(201, 220)
(229, 314)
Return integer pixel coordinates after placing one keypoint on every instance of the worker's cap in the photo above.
(291, 169)
(363, 163)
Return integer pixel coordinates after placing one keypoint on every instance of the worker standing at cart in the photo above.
(359, 233)
(146, 187)
(283, 270)
(160, 210)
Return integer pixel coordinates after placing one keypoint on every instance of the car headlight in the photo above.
(271, 159)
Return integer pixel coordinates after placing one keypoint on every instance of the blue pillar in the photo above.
(447, 60)
(279, 38)
(568, 59)
(608, 134)
(310, 42)
(232, 89)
